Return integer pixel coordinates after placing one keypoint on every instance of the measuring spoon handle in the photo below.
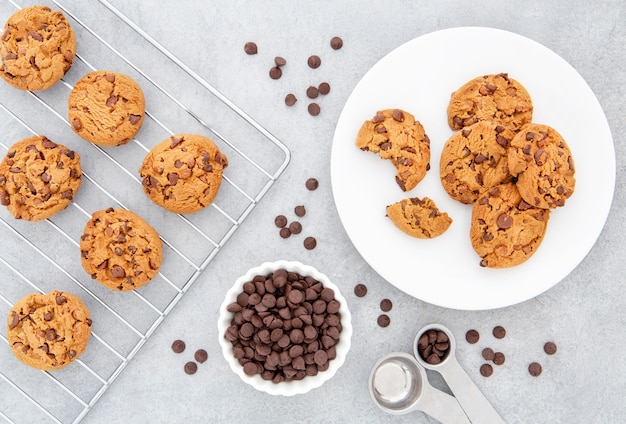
(476, 406)
(441, 406)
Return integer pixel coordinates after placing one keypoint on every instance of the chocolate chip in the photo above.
(504, 222)
(5, 200)
(549, 348)
(312, 92)
(201, 356)
(112, 100)
(280, 61)
(118, 272)
(250, 48)
(285, 232)
(14, 320)
(47, 316)
(498, 358)
(385, 305)
(178, 346)
(498, 331)
(488, 354)
(314, 109)
(60, 300)
(51, 334)
(324, 88)
(486, 370)
(336, 43)
(290, 99)
(433, 346)
(534, 369)
(134, 119)
(312, 184)
(295, 227)
(314, 61)
(398, 115)
(360, 290)
(300, 211)
(310, 243)
(383, 320)
(472, 336)
(48, 144)
(191, 368)
(275, 73)
(280, 221)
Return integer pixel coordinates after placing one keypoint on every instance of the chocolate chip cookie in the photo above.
(419, 217)
(493, 97)
(505, 230)
(544, 166)
(120, 250)
(37, 48)
(48, 331)
(183, 173)
(475, 159)
(395, 135)
(38, 178)
(106, 108)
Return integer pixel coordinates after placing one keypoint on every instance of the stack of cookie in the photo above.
(512, 171)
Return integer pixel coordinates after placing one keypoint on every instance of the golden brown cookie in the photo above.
(48, 331)
(505, 230)
(544, 166)
(120, 250)
(183, 173)
(419, 217)
(37, 48)
(106, 108)
(475, 159)
(395, 135)
(494, 97)
(38, 178)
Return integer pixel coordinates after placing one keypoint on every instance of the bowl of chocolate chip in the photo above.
(284, 328)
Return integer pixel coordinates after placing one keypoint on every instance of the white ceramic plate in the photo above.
(419, 77)
(288, 388)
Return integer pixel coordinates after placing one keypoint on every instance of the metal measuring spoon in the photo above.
(473, 402)
(398, 385)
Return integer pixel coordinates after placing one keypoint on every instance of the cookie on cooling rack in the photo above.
(394, 134)
(419, 217)
(120, 250)
(183, 173)
(493, 97)
(505, 230)
(37, 48)
(38, 178)
(48, 331)
(106, 108)
(474, 159)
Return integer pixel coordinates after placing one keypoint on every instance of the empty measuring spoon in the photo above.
(473, 402)
(398, 385)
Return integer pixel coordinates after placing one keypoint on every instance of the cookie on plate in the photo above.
(493, 97)
(474, 159)
(419, 217)
(505, 230)
(183, 173)
(48, 331)
(120, 250)
(37, 48)
(38, 178)
(106, 108)
(544, 166)
(395, 135)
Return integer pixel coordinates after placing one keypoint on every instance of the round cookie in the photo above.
(494, 97)
(48, 331)
(106, 108)
(37, 48)
(505, 230)
(395, 135)
(544, 166)
(38, 178)
(474, 159)
(183, 173)
(120, 250)
(419, 217)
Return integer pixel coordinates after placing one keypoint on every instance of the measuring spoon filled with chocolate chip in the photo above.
(434, 348)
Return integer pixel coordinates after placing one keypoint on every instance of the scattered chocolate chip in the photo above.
(275, 73)
(384, 320)
(488, 354)
(386, 305)
(336, 43)
(549, 348)
(178, 346)
(499, 332)
(360, 290)
(280, 221)
(201, 356)
(312, 184)
(472, 336)
(314, 109)
(300, 211)
(312, 92)
(314, 61)
(280, 61)
(191, 368)
(295, 227)
(310, 243)
(285, 232)
(250, 48)
(486, 370)
(324, 88)
(498, 358)
(290, 99)
(535, 369)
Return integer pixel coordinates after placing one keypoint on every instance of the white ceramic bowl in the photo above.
(286, 388)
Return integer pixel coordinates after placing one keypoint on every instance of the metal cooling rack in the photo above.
(40, 257)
